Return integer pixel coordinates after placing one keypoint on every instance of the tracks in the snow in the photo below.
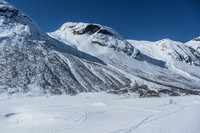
(133, 128)
(147, 119)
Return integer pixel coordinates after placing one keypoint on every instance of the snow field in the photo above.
(100, 113)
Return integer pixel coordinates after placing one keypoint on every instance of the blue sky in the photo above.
(134, 19)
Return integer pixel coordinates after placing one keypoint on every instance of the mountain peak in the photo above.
(6, 9)
(196, 39)
(195, 44)
(28, 56)
(5, 6)
(5, 3)
(165, 40)
(88, 28)
(96, 35)
(15, 22)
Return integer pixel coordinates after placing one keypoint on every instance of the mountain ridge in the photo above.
(29, 56)
(111, 57)
(83, 58)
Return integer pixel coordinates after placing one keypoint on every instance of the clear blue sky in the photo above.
(134, 19)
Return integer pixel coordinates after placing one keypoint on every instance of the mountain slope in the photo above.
(29, 57)
(178, 56)
(150, 74)
(85, 35)
(195, 44)
(169, 51)
(84, 58)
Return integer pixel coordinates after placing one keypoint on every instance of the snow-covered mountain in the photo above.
(30, 59)
(178, 57)
(152, 72)
(82, 57)
(84, 35)
(195, 44)
(169, 51)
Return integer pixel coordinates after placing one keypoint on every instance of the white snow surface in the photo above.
(100, 113)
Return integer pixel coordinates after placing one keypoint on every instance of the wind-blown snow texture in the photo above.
(85, 57)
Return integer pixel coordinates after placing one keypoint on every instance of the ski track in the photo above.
(146, 120)
(133, 128)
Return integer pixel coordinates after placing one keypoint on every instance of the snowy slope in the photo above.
(169, 51)
(177, 56)
(14, 22)
(149, 71)
(86, 58)
(92, 58)
(29, 57)
(195, 44)
(88, 37)
(100, 113)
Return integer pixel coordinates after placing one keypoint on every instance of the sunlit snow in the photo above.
(100, 113)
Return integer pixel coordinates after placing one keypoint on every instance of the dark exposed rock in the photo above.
(89, 29)
(197, 39)
(106, 33)
(99, 35)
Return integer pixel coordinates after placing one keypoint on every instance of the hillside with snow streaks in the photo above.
(83, 57)
(86, 78)
(29, 57)
(156, 69)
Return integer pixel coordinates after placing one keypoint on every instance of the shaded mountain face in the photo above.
(28, 56)
(95, 34)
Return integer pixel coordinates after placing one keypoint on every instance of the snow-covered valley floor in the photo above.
(100, 113)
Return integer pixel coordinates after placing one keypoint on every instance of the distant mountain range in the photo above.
(82, 57)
